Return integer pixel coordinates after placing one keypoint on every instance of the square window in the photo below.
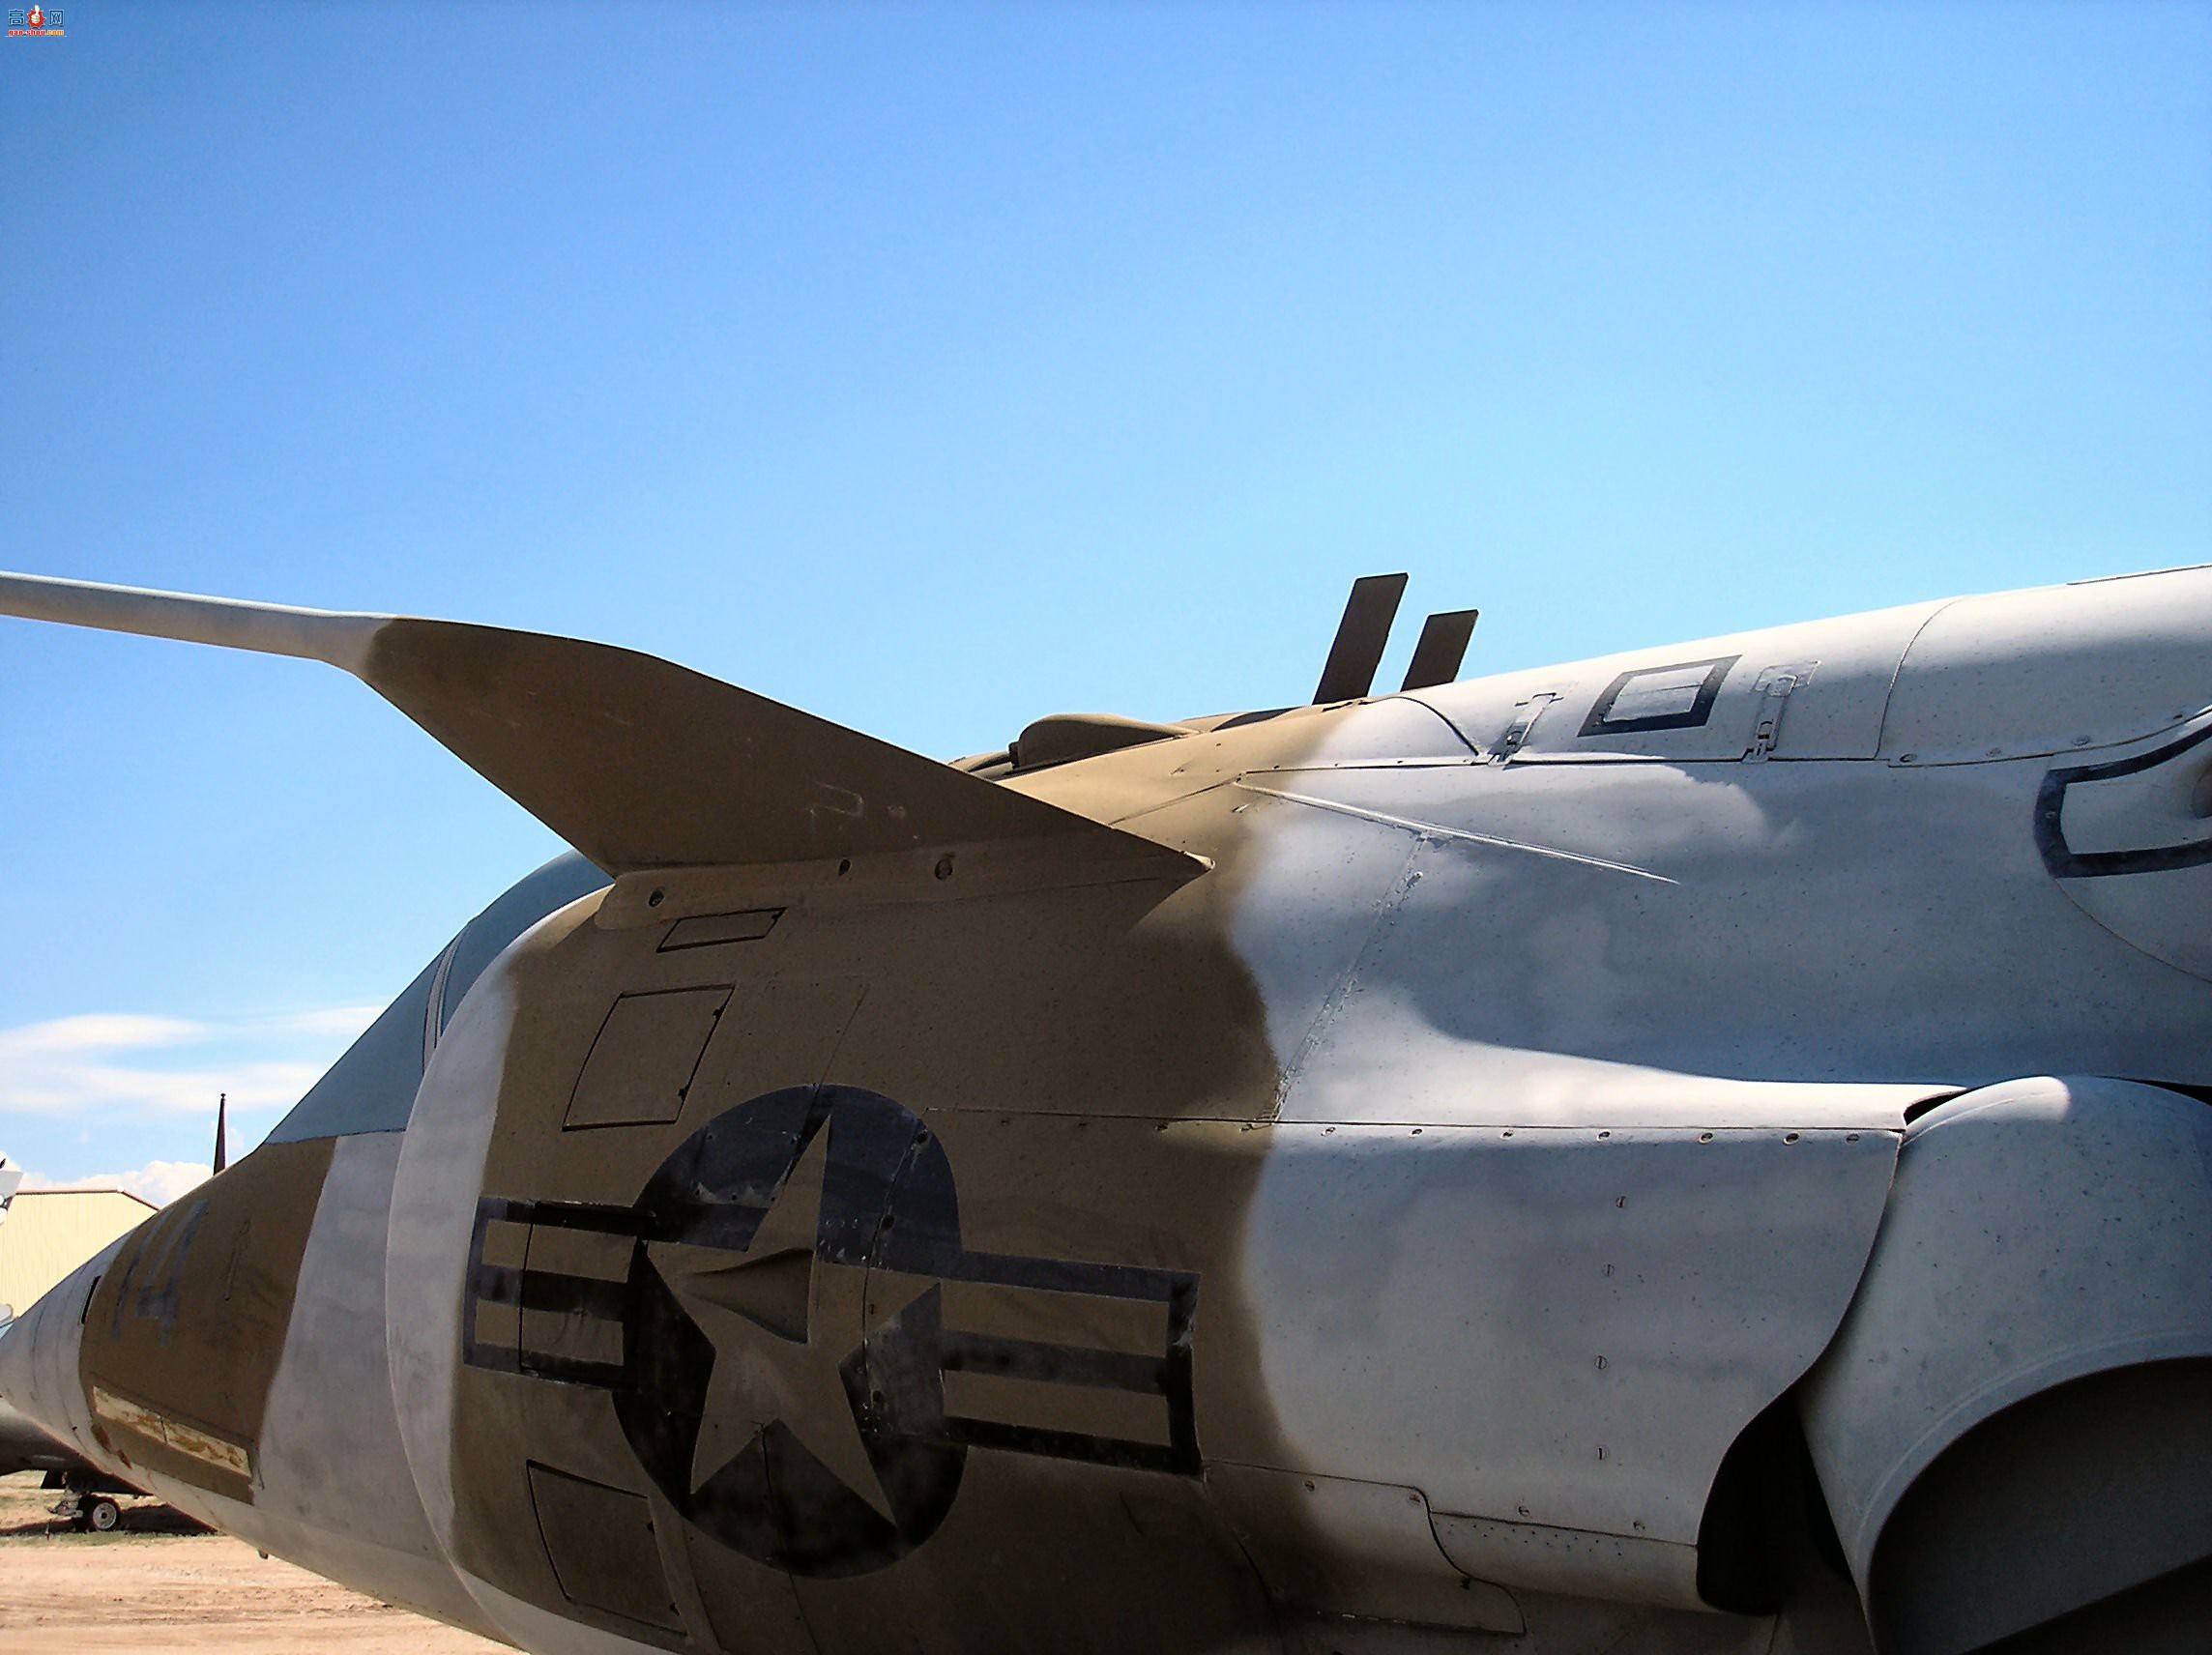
(1676, 697)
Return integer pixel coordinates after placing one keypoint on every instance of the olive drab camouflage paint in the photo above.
(1701, 1151)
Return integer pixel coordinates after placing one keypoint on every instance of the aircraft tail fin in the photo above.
(636, 762)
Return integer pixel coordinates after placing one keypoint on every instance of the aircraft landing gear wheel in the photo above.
(99, 1514)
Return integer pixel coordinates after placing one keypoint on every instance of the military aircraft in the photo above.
(1701, 1150)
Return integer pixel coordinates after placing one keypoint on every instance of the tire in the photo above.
(101, 1515)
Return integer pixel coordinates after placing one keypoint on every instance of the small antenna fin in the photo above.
(221, 1121)
(1443, 646)
(1360, 638)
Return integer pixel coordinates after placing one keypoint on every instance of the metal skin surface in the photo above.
(1390, 1177)
(23, 1446)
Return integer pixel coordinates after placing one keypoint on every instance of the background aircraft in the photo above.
(1702, 1150)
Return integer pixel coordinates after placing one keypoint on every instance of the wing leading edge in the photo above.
(636, 762)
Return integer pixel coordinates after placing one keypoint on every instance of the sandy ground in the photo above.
(159, 1583)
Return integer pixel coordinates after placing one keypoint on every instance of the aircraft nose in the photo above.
(15, 1364)
(38, 1361)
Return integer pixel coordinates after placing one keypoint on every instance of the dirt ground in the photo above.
(160, 1584)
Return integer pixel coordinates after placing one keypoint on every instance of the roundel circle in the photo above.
(783, 1388)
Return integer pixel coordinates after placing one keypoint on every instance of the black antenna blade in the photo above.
(1443, 646)
(1360, 638)
(221, 1120)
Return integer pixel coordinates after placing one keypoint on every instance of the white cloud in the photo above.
(344, 1021)
(115, 1061)
(56, 1087)
(158, 1181)
(95, 1031)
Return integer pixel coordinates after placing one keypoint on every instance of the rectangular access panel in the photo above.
(640, 1066)
(602, 1548)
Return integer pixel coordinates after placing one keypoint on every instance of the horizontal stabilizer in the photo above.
(636, 762)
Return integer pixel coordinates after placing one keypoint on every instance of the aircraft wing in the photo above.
(636, 762)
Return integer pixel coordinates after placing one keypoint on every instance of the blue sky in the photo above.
(933, 367)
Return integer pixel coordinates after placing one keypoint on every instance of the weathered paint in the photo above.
(1362, 1203)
